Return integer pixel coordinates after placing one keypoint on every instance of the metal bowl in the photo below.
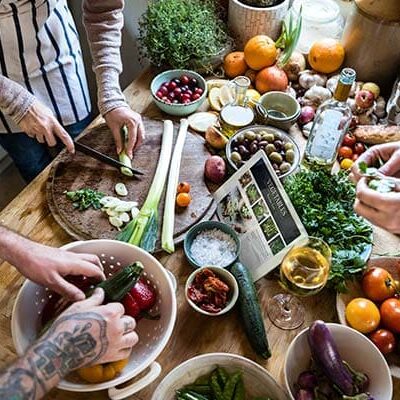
(279, 135)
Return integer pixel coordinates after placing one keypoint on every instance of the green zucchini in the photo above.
(250, 310)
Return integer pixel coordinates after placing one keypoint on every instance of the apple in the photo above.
(364, 99)
(372, 87)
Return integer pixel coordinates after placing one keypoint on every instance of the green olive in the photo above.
(258, 137)
(269, 137)
(275, 157)
(288, 146)
(269, 148)
(250, 135)
(236, 157)
(240, 138)
(284, 167)
(290, 155)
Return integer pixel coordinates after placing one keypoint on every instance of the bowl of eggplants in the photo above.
(330, 361)
(281, 150)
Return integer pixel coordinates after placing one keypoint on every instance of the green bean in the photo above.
(229, 389)
(202, 380)
(202, 389)
(223, 376)
(216, 388)
(190, 395)
(239, 390)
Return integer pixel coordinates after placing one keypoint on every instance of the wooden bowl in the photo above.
(392, 265)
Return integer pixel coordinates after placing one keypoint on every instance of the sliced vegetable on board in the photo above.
(123, 157)
(143, 229)
(85, 198)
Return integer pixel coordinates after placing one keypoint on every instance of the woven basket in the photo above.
(245, 21)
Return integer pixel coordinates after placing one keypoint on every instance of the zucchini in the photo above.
(250, 311)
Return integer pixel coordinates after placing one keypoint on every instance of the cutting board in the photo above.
(73, 172)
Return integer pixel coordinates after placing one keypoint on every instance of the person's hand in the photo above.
(47, 266)
(382, 209)
(90, 333)
(388, 152)
(40, 123)
(116, 119)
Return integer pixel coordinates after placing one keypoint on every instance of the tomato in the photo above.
(390, 313)
(384, 340)
(346, 163)
(362, 315)
(378, 284)
(359, 148)
(345, 152)
(183, 199)
(183, 187)
(349, 140)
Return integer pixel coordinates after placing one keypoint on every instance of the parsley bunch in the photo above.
(324, 203)
(182, 33)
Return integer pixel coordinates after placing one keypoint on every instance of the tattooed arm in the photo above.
(86, 333)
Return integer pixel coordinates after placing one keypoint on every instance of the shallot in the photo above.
(306, 115)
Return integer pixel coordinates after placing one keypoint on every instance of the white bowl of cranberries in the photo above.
(178, 91)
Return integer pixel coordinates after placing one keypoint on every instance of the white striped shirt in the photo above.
(40, 50)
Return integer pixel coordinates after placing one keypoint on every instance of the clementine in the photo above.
(260, 52)
(234, 64)
(271, 78)
(326, 55)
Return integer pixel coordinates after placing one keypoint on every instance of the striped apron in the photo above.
(40, 49)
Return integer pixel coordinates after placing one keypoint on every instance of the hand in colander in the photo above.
(46, 265)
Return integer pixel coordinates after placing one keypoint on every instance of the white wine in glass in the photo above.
(304, 272)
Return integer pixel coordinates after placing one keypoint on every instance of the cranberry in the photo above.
(177, 91)
(185, 80)
(164, 98)
(163, 89)
(177, 81)
(172, 85)
(168, 101)
(189, 92)
(185, 97)
(175, 101)
(186, 101)
(171, 95)
(198, 90)
(193, 82)
(159, 94)
(196, 96)
(184, 88)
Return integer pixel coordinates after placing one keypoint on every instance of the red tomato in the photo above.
(384, 340)
(355, 156)
(378, 284)
(345, 152)
(349, 140)
(390, 314)
(359, 148)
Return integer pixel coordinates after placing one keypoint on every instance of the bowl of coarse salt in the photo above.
(211, 243)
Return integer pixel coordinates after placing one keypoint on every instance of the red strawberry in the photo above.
(131, 306)
(144, 294)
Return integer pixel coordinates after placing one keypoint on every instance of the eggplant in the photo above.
(325, 353)
(304, 395)
(307, 380)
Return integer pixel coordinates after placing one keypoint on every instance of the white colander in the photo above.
(153, 334)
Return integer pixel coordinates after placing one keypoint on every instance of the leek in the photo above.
(167, 234)
(142, 230)
(123, 157)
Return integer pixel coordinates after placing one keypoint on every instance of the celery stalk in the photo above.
(123, 157)
(167, 234)
(142, 230)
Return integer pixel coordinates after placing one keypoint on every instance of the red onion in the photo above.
(306, 115)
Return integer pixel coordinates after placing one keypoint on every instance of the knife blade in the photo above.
(103, 158)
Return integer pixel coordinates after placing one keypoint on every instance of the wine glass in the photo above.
(303, 272)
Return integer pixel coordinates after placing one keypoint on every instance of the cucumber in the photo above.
(250, 311)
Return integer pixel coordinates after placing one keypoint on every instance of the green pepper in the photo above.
(239, 390)
(223, 376)
(216, 388)
(230, 386)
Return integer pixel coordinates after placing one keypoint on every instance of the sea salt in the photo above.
(213, 248)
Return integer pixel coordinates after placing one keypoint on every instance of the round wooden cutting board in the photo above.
(73, 172)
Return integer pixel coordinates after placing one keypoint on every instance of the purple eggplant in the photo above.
(307, 380)
(304, 395)
(325, 353)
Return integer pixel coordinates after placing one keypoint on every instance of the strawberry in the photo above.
(131, 306)
(144, 294)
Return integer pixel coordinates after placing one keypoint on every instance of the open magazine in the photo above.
(254, 203)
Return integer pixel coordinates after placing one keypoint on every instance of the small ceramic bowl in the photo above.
(207, 226)
(226, 277)
(282, 110)
(177, 109)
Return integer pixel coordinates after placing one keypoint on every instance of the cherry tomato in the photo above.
(362, 315)
(355, 157)
(183, 199)
(349, 140)
(390, 313)
(345, 152)
(384, 340)
(359, 148)
(183, 187)
(378, 284)
(346, 163)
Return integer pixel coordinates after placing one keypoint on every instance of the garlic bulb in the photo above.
(308, 79)
(380, 107)
(317, 95)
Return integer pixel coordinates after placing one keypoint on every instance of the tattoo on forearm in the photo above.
(67, 345)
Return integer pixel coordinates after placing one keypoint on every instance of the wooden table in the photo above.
(194, 334)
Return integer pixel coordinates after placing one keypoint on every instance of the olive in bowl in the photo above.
(280, 149)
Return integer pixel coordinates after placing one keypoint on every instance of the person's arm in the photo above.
(46, 265)
(103, 21)
(86, 333)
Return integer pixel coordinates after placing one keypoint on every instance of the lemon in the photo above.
(227, 95)
(346, 163)
(214, 98)
(211, 83)
(252, 94)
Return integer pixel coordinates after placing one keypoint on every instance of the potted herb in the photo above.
(180, 34)
(248, 18)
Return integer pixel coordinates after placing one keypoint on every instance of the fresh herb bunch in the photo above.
(324, 203)
(182, 33)
(84, 198)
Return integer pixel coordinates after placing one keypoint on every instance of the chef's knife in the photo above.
(103, 158)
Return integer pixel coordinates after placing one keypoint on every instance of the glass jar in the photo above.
(321, 20)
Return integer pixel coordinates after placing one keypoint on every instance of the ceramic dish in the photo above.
(391, 264)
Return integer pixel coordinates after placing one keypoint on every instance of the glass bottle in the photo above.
(330, 125)
(238, 114)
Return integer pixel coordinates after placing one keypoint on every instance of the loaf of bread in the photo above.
(376, 134)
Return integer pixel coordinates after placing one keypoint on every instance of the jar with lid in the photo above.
(321, 19)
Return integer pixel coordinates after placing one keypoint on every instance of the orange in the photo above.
(260, 52)
(271, 78)
(234, 64)
(326, 55)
